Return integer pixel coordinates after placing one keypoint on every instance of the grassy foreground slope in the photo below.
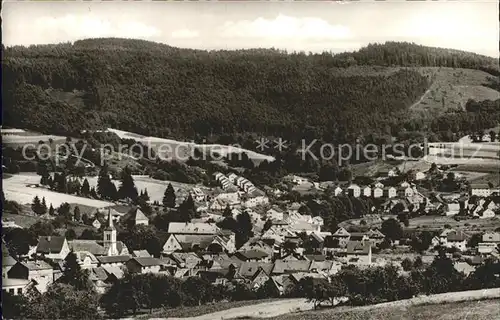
(157, 90)
(469, 310)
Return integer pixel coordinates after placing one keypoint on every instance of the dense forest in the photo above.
(154, 89)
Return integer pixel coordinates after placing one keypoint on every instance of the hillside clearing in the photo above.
(23, 188)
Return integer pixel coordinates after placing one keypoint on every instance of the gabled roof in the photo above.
(113, 270)
(140, 253)
(36, 265)
(315, 257)
(249, 269)
(113, 259)
(50, 244)
(341, 232)
(456, 236)
(321, 265)
(281, 266)
(140, 216)
(87, 245)
(252, 254)
(98, 273)
(8, 261)
(147, 261)
(192, 228)
(479, 186)
(358, 247)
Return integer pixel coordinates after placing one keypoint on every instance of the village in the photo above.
(285, 242)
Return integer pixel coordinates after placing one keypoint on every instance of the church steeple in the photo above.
(110, 236)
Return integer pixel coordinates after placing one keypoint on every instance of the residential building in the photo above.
(16, 287)
(491, 237)
(96, 224)
(452, 209)
(354, 190)
(53, 247)
(367, 191)
(337, 191)
(40, 272)
(256, 201)
(140, 253)
(378, 192)
(193, 228)
(198, 194)
(342, 235)
(359, 252)
(144, 265)
(482, 190)
(390, 192)
(113, 261)
(140, 218)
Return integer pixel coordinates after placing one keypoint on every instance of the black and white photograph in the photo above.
(280, 160)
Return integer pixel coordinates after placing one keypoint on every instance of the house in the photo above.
(7, 260)
(378, 184)
(258, 273)
(406, 191)
(291, 266)
(192, 228)
(457, 239)
(487, 247)
(375, 236)
(144, 265)
(367, 191)
(354, 190)
(140, 253)
(53, 247)
(113, 261)
(16, 287)
(253, 255)
(464, 267)
(482, 190)
(378, 192)
(337, 191)
(198, 195)
(491, 237)
(390, 192)
(358, 252)
(96, 224)
(342, 235)
(387, 173)
(452, 209)
(487, 214)
(274, 214)
(86, 260)
(40, 272)
(101, 279)
(222, 242)
(256, 201)
(404, 184)
(140, 218)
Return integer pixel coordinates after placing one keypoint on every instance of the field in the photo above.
(182, 150)
(20, 137)
(22, 188)
(452, 88)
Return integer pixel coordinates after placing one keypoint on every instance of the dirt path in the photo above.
(262, 310)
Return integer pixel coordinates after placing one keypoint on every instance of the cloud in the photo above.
(285, 27)
(74, 27)
(185, 34)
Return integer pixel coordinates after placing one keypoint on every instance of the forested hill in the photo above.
(154, 89)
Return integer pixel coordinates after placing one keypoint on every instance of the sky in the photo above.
(299, 26)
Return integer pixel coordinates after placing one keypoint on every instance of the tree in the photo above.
(76, 214)
(196, 290)
(52, 212)
(142, 237)
(407, 264)
(227, 212)
(268, 290)
(70, 234)
(493, 136)
(169, 197)
(44, 206)
(85, 190)
(245, 227)
(187, 209)
(36, 206)
(392, 229)
(18, 241)
(421, 242)
(64, 211)
(127, 187)
(106, 189)
(74, 275)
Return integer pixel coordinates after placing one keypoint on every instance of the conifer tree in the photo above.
(169, 197)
